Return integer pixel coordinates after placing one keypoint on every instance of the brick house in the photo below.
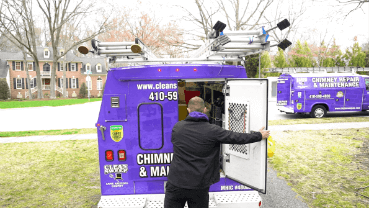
(12, 68)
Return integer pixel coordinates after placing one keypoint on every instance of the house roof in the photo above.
(93, 62)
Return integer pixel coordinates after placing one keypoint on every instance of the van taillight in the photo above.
(259, 203)
(109, 155)
(121, 155)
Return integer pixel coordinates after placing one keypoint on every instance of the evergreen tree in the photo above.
(280, 59)
(83, 90)
(252, 65)
(265, 62)
(4, 90)
(355, 56)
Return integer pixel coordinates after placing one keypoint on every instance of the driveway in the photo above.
(86, 115)
(49, 118)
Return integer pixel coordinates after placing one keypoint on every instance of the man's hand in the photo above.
(264, 133)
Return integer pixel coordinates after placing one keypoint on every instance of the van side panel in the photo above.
(338, 93)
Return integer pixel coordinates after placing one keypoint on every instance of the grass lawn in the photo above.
(48, 132)
(49, 174)
(326, 168)
(39, 103)
(318, 120)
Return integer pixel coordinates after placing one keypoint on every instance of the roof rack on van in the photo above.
(219, 47)
(291, 70)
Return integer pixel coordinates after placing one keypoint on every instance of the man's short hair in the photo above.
(196, 104)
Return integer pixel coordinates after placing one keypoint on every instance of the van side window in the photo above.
(367, 84)
(150, 126)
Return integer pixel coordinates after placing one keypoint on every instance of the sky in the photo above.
(322, 18)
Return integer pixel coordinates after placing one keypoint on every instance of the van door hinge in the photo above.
(226, 90)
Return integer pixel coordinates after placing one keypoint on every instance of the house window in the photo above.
(73, 66)
(30, 66)
(61, 82)
(74, 85)
(99, 84)
(19, 83)
(31, 83)
(89, 83)
(61, 66)
(98, 67)
(17, 66)
(88, 67)
(46, 54)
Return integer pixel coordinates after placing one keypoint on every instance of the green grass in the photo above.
(49, 174)
(48, 132)
(66, 173)
(40, 103)
(325, 167)
(318, 120)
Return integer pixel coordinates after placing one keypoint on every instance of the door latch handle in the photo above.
(227, 157)
(102, 129)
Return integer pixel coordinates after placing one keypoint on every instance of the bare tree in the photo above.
(294, 15)
(17, 25)
(358, 3)
(203, 18)
(237, 18)
(60, 12)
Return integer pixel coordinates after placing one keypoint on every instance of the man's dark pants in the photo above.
(176, 197)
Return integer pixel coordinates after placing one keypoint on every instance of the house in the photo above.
(12, 67)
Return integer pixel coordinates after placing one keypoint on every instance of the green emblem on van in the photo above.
(116, 133)
(299, 106)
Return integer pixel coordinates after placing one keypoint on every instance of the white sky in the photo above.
(322, 17)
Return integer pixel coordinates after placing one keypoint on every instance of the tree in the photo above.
(293, 13)
(252, 65)
(327, 56)
(58, 13)
(265, 62)
(162, 39)
(358, 3)
(83, 90)
(17, 25)
(355, 57)
(4, 90)
(279, 60)
(301, 55)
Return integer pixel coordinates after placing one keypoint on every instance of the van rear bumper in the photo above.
(285, 109)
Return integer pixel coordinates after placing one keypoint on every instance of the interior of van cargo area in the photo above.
(210, 92)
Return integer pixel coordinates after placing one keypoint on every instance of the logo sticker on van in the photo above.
(116, 132)
(299, 106)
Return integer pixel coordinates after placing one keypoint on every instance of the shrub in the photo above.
(4, 90)
(83, 90)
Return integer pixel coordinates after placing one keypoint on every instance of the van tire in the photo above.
(318, 111)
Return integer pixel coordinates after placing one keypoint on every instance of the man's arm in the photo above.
(230, 137)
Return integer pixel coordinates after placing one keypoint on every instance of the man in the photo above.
(195, 164)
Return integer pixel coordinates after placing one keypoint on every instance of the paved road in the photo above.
(86, 115)
(48, 118)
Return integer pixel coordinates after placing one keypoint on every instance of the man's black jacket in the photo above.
(196, 145)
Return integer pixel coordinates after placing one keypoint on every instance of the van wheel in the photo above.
(318, 111)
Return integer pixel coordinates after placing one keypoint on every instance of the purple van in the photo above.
(318, 93)
(140, 106)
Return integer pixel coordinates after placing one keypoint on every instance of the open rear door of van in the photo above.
(246, 110)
